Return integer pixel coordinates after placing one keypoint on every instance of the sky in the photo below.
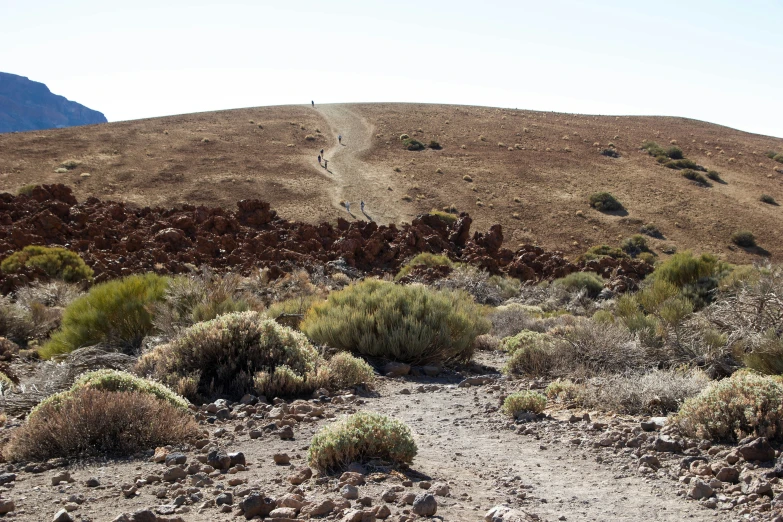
(718, 61)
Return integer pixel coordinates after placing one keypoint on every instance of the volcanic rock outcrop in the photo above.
(117, 240)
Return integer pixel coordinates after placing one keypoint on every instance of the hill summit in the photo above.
(27, 105)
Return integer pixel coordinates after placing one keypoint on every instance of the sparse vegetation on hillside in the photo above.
(696, 177)
(523, 402)
(588, 282)
(605, 202)
(769, 200)
(744, 239)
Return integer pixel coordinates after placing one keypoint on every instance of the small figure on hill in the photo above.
(322, 152)
(319, 159)
(362, 205)
(340, 139)
(313, 102)
(348, 206)
(326, 163)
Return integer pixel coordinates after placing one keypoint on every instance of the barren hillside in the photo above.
(532, 172)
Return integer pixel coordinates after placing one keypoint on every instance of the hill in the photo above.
(27, 105)
(532, 172)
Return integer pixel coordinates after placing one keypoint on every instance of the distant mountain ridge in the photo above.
(27, 105)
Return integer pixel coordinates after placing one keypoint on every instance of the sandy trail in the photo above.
(355, 180)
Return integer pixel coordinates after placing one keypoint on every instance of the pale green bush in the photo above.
(361, 437)
(344, 370)
(746, 404)
(523, 402)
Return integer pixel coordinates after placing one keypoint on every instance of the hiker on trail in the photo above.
(348, 206)
(319, 159)
(340, 139)
(326, 162)
(362, 206)
(322, 152)
(313, 104)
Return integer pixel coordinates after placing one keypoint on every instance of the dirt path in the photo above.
(355, 180)
(477, 453)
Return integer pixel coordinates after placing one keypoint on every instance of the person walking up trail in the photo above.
(362, 205)
(319, 159)
(313, 102)
(340, 139)
(348, 206)
(326, 163)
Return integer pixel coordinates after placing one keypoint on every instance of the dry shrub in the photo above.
(291, 311)
(53, 293)
(345, 371)
(484, 288)
(533, 354)
(512, 318)
(656, 393)
(16, 322)
(590, 348)
(746, 404)
(100, 423)
(486, 343)
(232, 355)
(259, 286)
(563, 390)
(413, 324)
(361, 437)
(8, 349)
(523, 402)
(119, 381)
(192, 299)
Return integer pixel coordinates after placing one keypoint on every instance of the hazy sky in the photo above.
(717, 60)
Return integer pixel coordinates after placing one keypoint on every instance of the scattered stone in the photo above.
(396, 369)
(286, 433)
(353, 478)
(699, 490)
(666, 444)
(350, 492)
(383, 512)
(224, 498)
(758, 449)
(728, 474)
(237, 458)
(424, 484)
(425, 505)
(389, 495)
(319, 508)
(218, 459)
(281, 459)
(6, 506)
(92, 482)
(283, 512)
(6, 478)
(160, 454)
(440, 489)
(300, 475)
(175, 458)
(174, 473)
(62, 516)
(63, 476)
(256, 504)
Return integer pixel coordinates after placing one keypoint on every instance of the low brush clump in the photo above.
(411, 324)
(95, 422)
(52, 262)
(424, 260)
(591, 283)
(744, 239)
(235, 354)
(361, 437)
(344, 370)
(746, 404)
(605, 202)
(116, 314)
(523, 402)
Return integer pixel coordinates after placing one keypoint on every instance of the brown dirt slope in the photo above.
(553, 165)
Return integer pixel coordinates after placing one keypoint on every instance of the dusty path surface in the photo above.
(355, 180)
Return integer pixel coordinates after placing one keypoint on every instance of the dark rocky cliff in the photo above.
(27, 105)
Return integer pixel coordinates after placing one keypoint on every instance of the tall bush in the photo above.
(403, 323)
(55, 262)
(116, 314)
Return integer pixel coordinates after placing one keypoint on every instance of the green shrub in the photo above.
(434, 145)
(235, 354)
(425, 259)
(532, 354)
(411, 324)
(55, 262)
(605, 202)
(291, 311)
(70, 164)
(744, 239)
(651, 230)
(695, 177)
(523, 402)
(767, 356)
(413, 144)
(26, 190)
(587, 281)
(344, 370)
(746, 404)
(653, 149)
(635, 245)
(116, 313)
(769, 200)
(94, 422)
(714, 175)
(647, 257)
(696, 277)
(683, 164)
(778, 158)
(599, 251)
(562, 390)
(446, 217)
(770, 154)
(674, 153)
(359, 438)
